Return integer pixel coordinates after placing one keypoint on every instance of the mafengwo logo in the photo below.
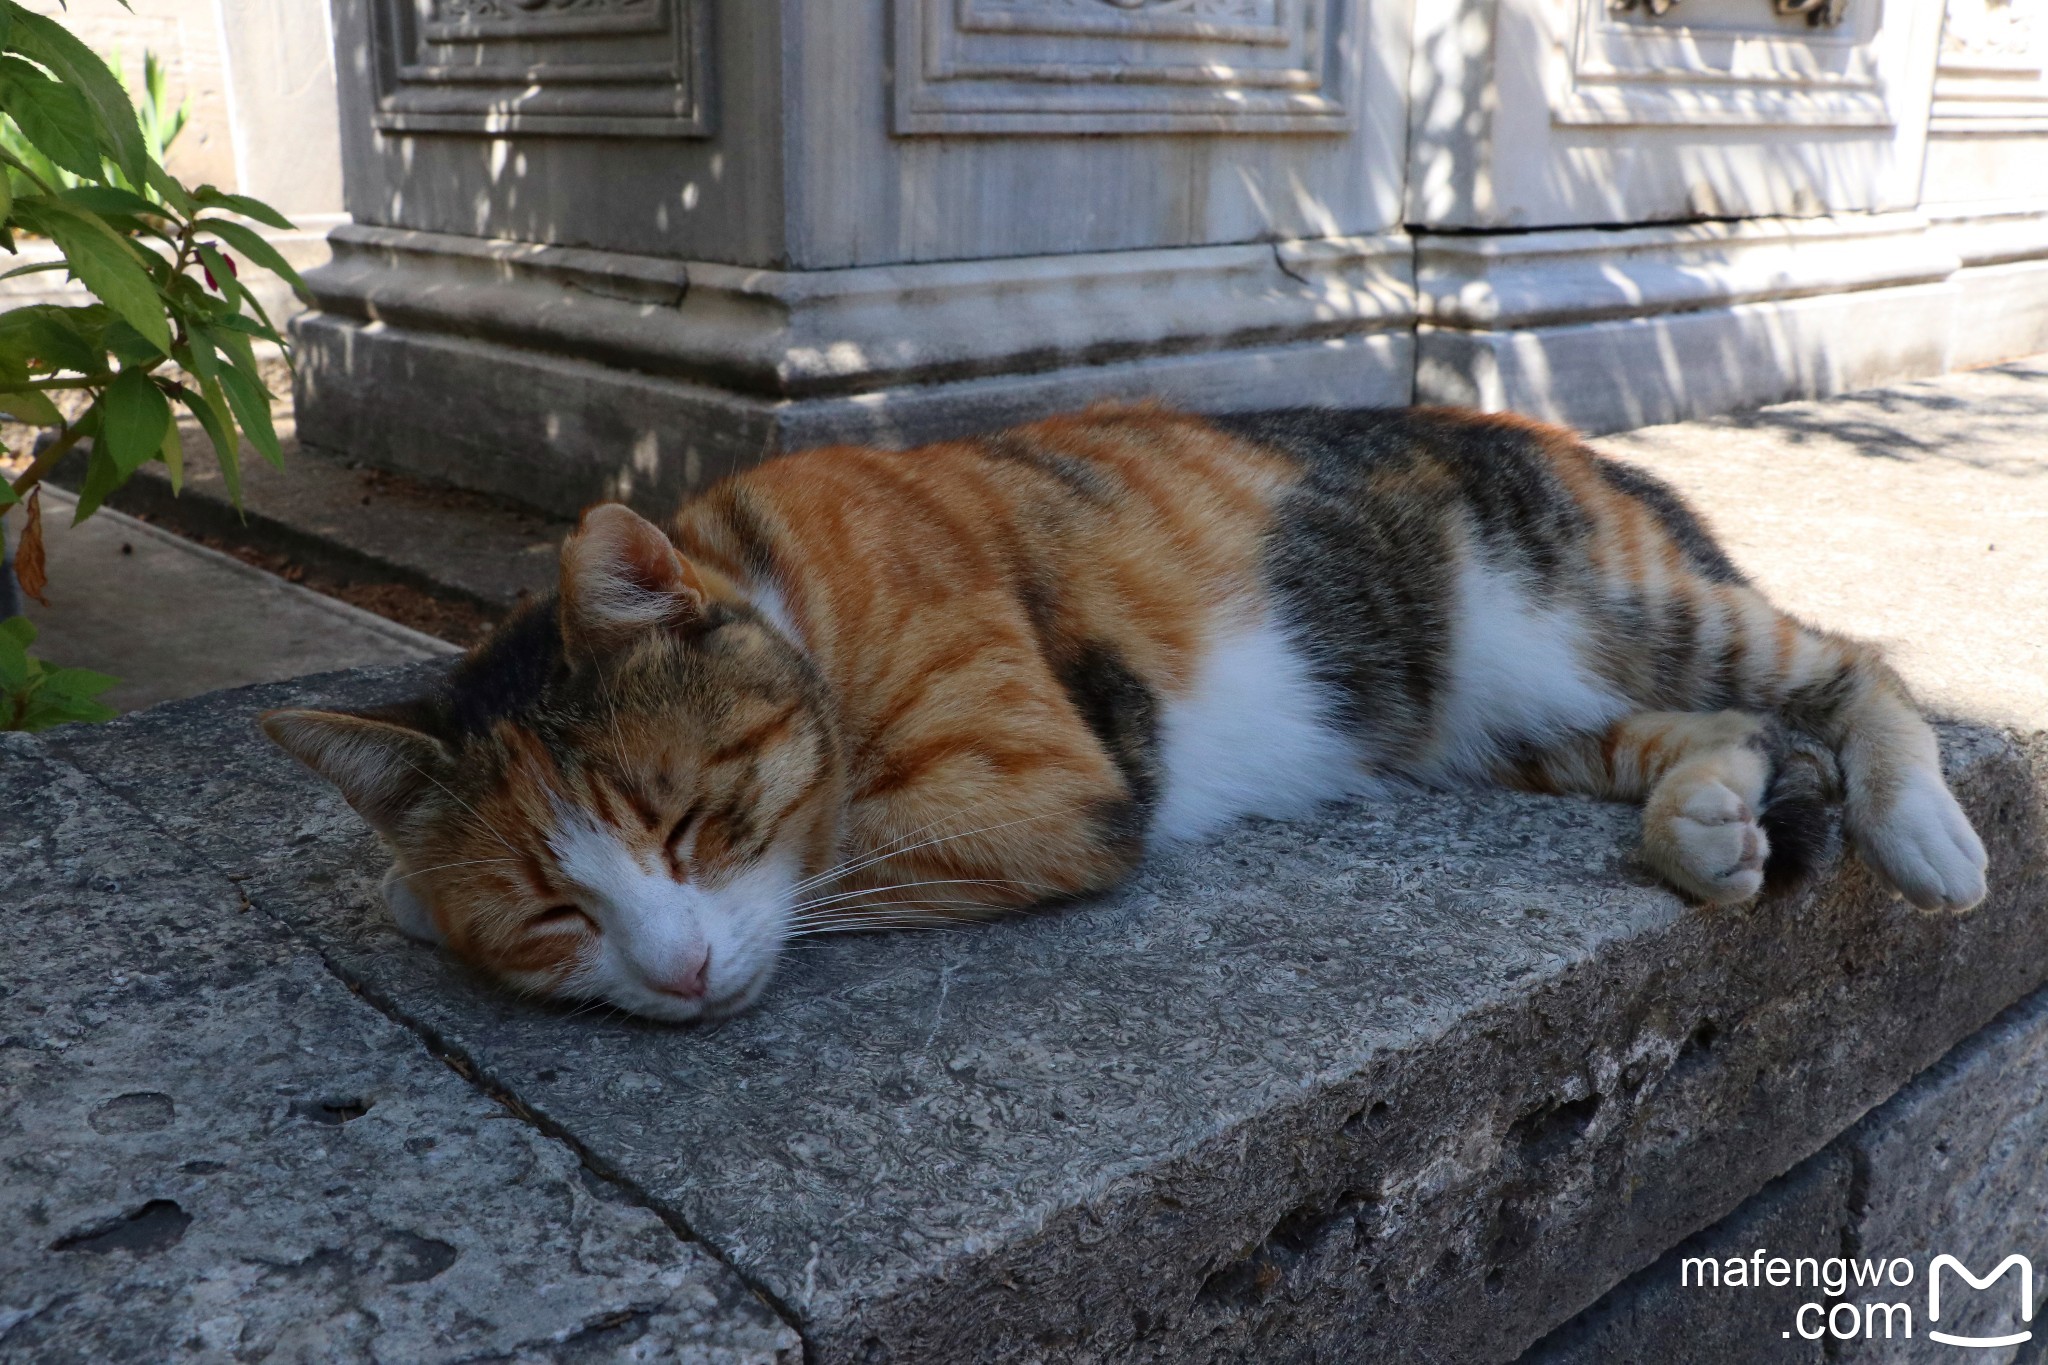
(2026, 1288)
(1850, 1309)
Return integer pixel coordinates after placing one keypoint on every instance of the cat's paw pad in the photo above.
(1924, 846)
(1712, 846)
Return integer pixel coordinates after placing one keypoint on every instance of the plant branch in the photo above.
(47, 461)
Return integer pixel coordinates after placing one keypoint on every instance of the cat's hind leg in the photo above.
(1730, 804)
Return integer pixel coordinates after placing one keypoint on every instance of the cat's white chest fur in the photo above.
(1516, 675)
(1252, 735)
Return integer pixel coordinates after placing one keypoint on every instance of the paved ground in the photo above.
(173, 619)
(1916, 515)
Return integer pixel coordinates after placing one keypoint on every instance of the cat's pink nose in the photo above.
(687, 982)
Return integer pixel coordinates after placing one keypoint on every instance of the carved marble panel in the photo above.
(1993, 76)
(607, 68)
(1118, 66)
(1751, 63)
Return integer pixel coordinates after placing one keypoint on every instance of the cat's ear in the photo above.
(382, 768)
(621, 575)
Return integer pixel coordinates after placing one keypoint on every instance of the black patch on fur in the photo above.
(1798, 817)
(756, 555)
(1817, 704)
(1078, 477)
(1702, 551)
(1678, 647)
(506, 676)
(1361, 547)
(1800, 824)
(1123, 714)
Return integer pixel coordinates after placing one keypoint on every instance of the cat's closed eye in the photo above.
(564, 917)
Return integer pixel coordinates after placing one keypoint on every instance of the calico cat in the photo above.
(857, 687)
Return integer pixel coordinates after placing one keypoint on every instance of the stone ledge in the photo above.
(214, 1151)
(1433, 1073)
(1949, 1165)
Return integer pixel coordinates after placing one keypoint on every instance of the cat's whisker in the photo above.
(871, 926)
(821, 901)
(893, 847)
(849, 869)
(442, 867)
(475, 814)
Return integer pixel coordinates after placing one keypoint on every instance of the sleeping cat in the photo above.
(857, 687)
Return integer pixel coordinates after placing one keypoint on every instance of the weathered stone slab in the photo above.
(1951, 1165)
(211, 1150)
(1957, 1164)
(1344, 1081)
(1675, 1317)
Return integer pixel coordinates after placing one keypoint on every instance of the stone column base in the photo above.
(557, 376)
(1611, 329)
(2001, 308)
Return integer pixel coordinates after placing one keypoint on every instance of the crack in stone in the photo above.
(458, 1061)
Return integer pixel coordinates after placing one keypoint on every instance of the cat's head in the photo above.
(616, 797)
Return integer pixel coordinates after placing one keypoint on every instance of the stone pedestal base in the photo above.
(557, 376)
(1607, 330)
(2001, 292)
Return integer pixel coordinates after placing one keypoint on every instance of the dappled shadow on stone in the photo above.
(1994, 420)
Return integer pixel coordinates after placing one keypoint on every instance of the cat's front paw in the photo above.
(1923, 845)
(1708, 843)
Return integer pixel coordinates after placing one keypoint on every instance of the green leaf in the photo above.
(102, 476)
(244, 205)
(6, 196)
(32, 407)
(45, 40)
(109, 199)
(223, 276)
(104, 261)
(54, 337)
(173, 456)
(16, 635)
(129, 346)
(8, 497)
(135, 415)
(235, 322)
(251, 244)
(234, 344)
(170, 191)
(37, 268)
(65, 695)
(251, 404)
(54, 117)
(78, 682)
(221, 431)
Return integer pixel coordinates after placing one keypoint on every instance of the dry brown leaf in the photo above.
(29, 568)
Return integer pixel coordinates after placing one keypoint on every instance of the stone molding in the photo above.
(2005, 232)
(1993, 75)
(1698, 68)
(1545, 279)
(809, 333)
(1119, 66)
(598, 68)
